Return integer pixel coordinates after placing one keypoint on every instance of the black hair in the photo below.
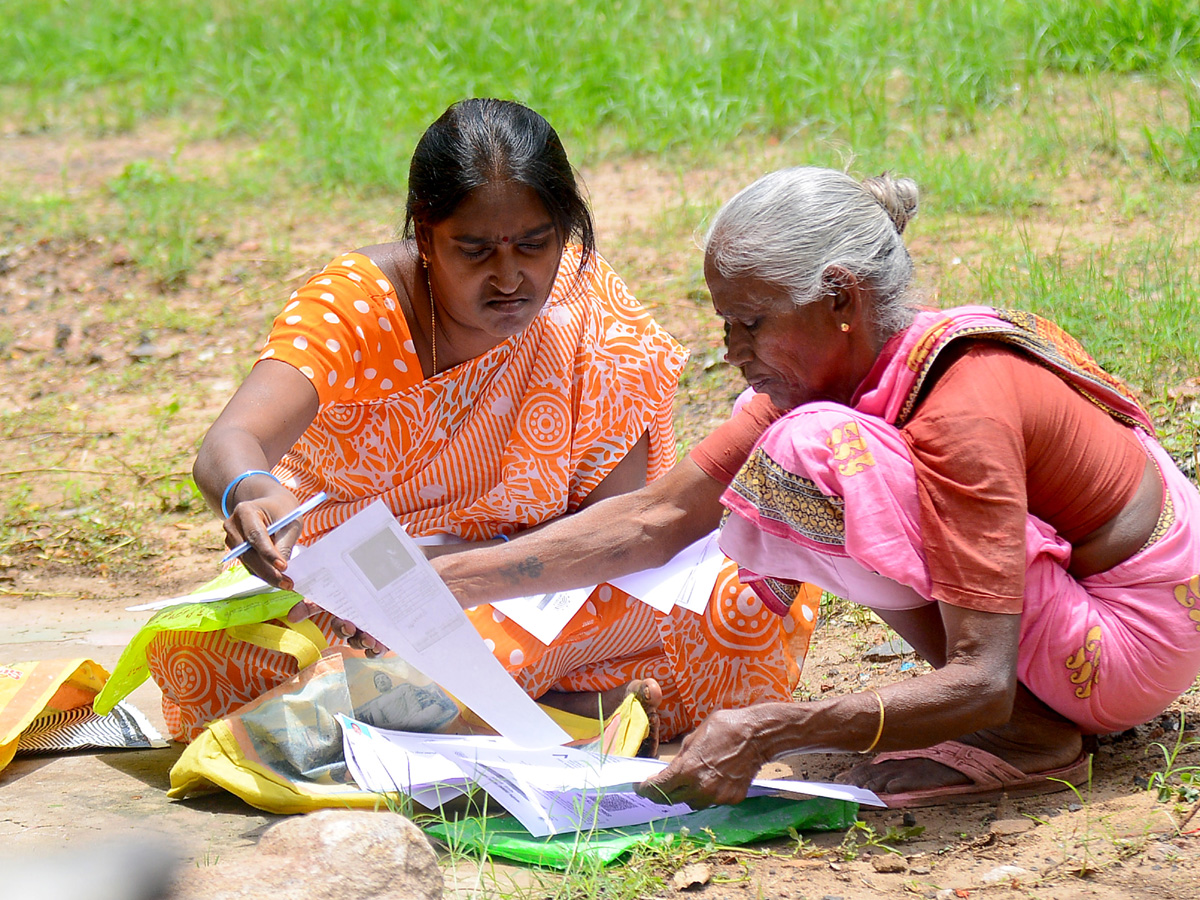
(484, 141)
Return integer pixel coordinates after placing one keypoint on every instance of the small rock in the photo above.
(1074, 807)
(692, 875)
(1159, 852)
(889, 863)
(888, 650)
(1011, 826)
(120, 256)
(910, 819)
(141, 866)
(327, 855)
(920, 870)
(1005, 873)
(143, 352)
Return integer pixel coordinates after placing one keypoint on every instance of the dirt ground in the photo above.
(1112, 841)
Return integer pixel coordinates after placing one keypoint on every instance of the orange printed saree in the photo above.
(513, 438)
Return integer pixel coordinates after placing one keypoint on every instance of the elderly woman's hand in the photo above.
(715, 765)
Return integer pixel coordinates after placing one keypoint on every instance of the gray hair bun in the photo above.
(898, 197)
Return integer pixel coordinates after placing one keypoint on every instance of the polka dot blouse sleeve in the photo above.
(345, 331)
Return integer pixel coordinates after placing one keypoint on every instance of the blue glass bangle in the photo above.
(502, 537)
(229, 487)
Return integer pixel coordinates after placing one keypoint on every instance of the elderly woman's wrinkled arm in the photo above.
(973, 690)
(615, 536)
(265, 417)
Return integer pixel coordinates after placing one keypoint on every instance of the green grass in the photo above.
(341, 89)
(331, 96)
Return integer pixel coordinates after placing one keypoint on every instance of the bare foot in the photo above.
(1035, 739)
(602, 704)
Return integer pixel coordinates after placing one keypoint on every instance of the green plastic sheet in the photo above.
(754, 819)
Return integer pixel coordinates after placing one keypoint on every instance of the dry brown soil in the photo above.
(1114, 841)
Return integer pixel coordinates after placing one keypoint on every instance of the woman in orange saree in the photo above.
(486, 374)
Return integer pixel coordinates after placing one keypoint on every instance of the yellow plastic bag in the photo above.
(29, 690)
(283, 752)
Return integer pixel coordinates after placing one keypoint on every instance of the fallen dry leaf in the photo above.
(692, 875)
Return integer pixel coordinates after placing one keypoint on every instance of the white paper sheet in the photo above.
(686, 580)
(371, 573)
(551, 790)
(545, 615)
(425, 775)
(235, 582)
(548, 791)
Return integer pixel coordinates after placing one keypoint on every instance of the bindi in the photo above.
(504, 239)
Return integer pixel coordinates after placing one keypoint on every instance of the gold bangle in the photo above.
(878, 731)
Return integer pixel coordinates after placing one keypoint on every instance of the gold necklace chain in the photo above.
(432, 321)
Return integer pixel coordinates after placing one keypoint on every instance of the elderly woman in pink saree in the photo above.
(971, 474)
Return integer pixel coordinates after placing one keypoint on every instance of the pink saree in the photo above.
(829, 496)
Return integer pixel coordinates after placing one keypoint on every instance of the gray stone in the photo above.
(893, 649)
(1005, 874)
(137, 868)
(327, 855)
(1011, 826)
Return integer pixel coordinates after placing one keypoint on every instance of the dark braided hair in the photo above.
(483, 141)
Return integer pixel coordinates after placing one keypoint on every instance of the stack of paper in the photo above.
(549, 791)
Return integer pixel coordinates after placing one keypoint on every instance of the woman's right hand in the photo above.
(268, 554)
(267, 415)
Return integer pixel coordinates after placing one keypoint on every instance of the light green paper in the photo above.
(131, 669)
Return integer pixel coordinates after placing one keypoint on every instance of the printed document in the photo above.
(369, 572)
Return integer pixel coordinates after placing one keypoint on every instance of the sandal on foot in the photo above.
(991, 777)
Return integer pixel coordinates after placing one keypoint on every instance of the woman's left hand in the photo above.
(715, 765)
(354, 636)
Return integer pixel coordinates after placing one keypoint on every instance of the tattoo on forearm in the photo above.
(528, 569)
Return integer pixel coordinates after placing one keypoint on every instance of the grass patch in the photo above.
(341, 89)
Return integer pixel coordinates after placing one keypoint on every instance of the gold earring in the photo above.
(845, 326)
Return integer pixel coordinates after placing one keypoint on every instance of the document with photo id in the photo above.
(370, 572)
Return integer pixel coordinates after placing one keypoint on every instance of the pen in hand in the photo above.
(306, 507)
